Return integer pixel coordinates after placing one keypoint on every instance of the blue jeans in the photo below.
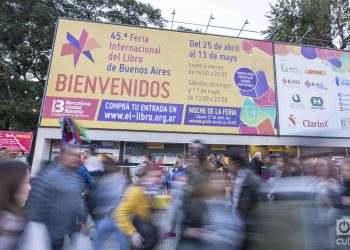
(105, 227)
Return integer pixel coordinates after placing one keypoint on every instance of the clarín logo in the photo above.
(317, 103)
(342, 82)
(317, 85)
(77, 47)
(315, 124)
(315, 72)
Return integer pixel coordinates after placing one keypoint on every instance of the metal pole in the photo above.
(210, 18)
(172, 20)
(245, 22)
(273, 32)
(307, 32)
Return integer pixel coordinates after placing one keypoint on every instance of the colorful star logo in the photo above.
(77, 47)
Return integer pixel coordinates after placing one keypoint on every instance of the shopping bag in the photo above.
(35, 236)
(148, 231)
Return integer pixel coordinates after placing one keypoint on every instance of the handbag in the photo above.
(148, 231)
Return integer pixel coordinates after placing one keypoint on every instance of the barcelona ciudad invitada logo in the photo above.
(77, 47)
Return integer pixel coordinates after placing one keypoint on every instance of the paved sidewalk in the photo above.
(163, 221)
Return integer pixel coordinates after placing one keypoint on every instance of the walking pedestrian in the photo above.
(328, 196)
(222, 227)
(92, 163)
(256, 164)
(134, 213)
(14, 190)
(245, 192)
(179, 185)
(56, 198)
(193, 206)
(102, 200)
(146, 162)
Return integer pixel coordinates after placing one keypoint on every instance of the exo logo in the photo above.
(318, 85)
(308, 84)
(57, 106)
(317, 101)
(290, 81)
(296, 98)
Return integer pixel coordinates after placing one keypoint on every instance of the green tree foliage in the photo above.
(329, 21)
(26, 33)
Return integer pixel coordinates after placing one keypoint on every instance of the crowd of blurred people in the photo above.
(217, 202)
(19, 156)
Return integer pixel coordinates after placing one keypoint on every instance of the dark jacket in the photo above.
(249, 195)
(56, 201)
(255, 165)
(85, 175)
(194, 211)
(193, 207)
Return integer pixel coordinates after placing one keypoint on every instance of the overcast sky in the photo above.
(228, 13)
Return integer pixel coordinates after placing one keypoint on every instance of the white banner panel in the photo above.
(313, 90)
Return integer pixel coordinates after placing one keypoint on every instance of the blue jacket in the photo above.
(85, 175)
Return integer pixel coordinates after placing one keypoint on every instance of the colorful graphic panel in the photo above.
(313, 86)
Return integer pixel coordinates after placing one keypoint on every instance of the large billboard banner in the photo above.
(130, 78)
(313, 86)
